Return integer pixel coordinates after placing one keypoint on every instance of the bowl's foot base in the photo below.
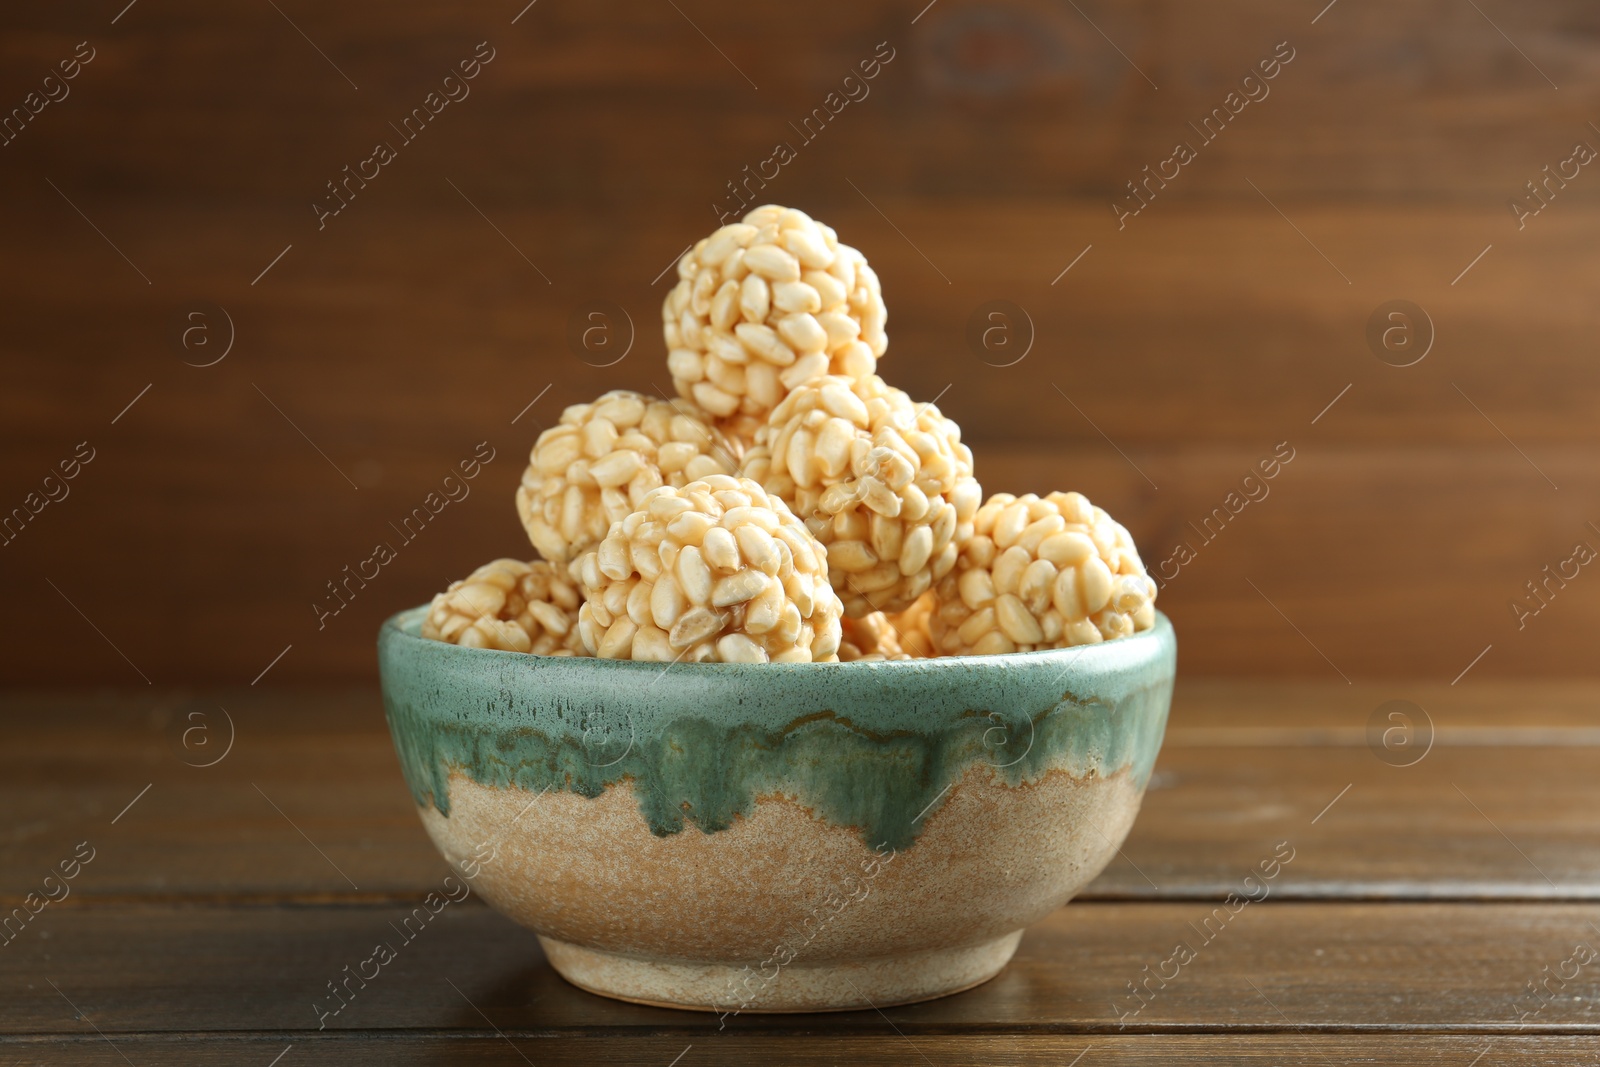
(731, 990)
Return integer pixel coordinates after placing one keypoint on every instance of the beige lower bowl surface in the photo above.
(782, 911)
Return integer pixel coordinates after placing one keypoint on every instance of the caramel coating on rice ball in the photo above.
(765, 304)
(883, 481)
(882, 636)
(715, 570)
(600, 461)
(509, 605)
(1047, 573)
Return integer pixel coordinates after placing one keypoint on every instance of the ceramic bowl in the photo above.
(777, 837)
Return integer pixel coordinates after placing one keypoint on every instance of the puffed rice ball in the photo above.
(600, 461)
(765, 304)
(912, 627)
(868, 638)
(884, 482)
(881, 636)
(715, 570)
(509, 605)
(1042, 574)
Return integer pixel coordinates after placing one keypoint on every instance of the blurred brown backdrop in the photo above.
(1174, 354)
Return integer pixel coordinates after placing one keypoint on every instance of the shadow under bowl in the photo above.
(777, 837)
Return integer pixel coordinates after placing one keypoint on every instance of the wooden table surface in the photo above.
(1421, 905)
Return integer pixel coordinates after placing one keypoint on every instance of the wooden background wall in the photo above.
(428, 314)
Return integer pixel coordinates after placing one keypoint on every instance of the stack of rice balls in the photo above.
(789, 505)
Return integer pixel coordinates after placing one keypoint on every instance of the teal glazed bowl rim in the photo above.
(872, 745)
